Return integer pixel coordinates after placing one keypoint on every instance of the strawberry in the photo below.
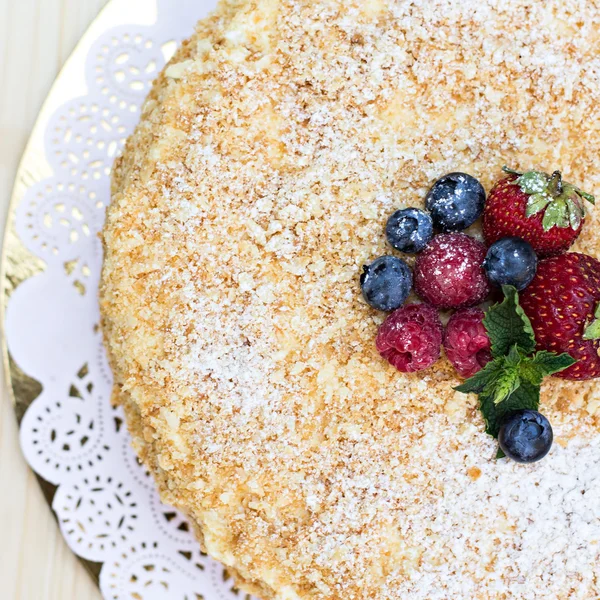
(562, 303)
(539, 208)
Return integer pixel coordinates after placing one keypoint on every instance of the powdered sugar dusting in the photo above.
(269, 158)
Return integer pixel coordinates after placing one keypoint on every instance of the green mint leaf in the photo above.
(512, 383)
(526, 396)
(482, 379)
(487, 406)
(537, 203)
(514, 357)
(509, 379)
(533, 182)
(532, 373)
(547, 363)
(500, 454)
(506, 385)
(592, 331)
(508, 325)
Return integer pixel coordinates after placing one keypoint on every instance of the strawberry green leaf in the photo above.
(533, 182)
(508, 325)
(592, 331)
(537, 203)
(561, 202)
(555, 215)
(575, 213)
(584, 195)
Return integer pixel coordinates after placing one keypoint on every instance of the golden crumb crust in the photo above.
(268, 157)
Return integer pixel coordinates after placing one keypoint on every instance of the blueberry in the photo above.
(526, 436)
(386, 283)
(511, 261)
(455, 201)
(409, 230)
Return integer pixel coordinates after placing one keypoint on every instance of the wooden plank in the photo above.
(36, 37)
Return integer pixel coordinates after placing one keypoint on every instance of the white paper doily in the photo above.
(106, 503)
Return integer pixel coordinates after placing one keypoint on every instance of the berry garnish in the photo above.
(542, 209)
(386, 283)
(511, 261)
(449, 272)
(562, 303)
(411, 338)
(511, 381)
(466, 342)
(409, 230)
(526, 436)
(455, 201)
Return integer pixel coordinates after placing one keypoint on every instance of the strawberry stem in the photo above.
(511, 171)
(555, 186)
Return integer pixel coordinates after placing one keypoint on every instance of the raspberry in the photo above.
(411, 338)
(466, 342)
(449, 272)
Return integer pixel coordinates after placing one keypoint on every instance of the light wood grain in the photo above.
(36, 37)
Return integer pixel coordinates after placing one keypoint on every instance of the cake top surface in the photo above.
(268, 158)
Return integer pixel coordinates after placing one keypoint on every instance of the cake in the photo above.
(269, 155)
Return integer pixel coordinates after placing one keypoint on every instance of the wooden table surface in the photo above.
(36, 37)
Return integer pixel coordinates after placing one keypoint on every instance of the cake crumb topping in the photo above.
(269, 155)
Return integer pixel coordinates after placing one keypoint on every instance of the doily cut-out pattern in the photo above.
(106, 503)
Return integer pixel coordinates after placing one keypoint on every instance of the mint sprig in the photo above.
(512, 380)
(508, 325)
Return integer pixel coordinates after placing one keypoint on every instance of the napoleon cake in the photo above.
(316, 434)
